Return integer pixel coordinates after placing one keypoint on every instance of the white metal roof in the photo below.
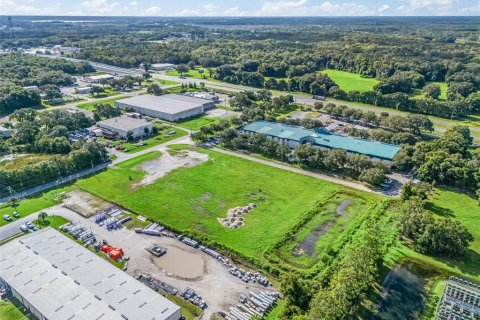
(63, 280)
(124, 123)
(169, 103)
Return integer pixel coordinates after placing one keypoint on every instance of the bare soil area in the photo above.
(167, 162)
(83, 203)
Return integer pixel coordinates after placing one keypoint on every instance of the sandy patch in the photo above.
(159, 167)
(84, 203)
(181, 264)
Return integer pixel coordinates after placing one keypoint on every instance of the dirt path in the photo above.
(342, 208)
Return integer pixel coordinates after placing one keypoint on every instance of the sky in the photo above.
(241, 7)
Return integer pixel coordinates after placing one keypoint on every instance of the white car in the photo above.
(24, 228)
(29, 225)
(16, 214)
(7, 217)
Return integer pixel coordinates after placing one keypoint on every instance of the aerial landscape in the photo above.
(242, 160)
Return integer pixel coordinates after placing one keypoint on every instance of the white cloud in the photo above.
(415, 4)
(235, 12)
(17, 7)
(100, 7)
(383, 8)
(270, 8)
(152, 11)
(133, 3)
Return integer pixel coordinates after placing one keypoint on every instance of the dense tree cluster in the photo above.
(449, 160)
(432, 235)
(105, 111)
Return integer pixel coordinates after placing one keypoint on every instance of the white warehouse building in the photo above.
(122, 125)
(170, 107)
(55, 278)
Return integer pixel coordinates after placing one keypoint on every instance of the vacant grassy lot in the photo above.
(23, 160)
(191, 199)
(165, 82)
(160, 138)
(197, 122)
(90, 105)
(192, 73)
(348, 81)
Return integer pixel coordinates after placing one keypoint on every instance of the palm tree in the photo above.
(42, 215)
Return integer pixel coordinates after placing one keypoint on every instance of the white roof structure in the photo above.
(101, 76)
(124, 123)
(63, 280)
(169, 103)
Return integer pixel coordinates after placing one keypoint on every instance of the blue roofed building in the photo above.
(293, 136)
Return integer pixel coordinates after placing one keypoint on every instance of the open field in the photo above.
(348, 81)
(196, 123)
(21, 161)
(152, 141)
(165, 82)
(191, 199)
(195, 74)
(89, 105)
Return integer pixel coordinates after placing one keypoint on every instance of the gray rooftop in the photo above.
(63, 280)
(124, 123)
(169, 103)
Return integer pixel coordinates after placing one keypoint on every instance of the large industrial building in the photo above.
(58, 279)
(122, 125)
(170, 107)
(293, 136)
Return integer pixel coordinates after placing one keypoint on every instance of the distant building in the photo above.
(204, 95)
(162, 66)
(83, 90)
(6, 133)
(122, 125)
(171, 107)
(293, 136)
(460, 301)
(55, 278)
(67, 50)
(98, 78)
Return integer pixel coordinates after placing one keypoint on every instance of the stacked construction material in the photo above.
(193, 297)
(156, 284)
(100, 217)
(114, 253)
(190, 242)
(256, 305)
(247, 276)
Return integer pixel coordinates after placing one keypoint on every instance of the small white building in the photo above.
(6, 133)
(62, 49)
(162, 66)
(98, 78)
(122, 125)
(31, 88)
(83, 90)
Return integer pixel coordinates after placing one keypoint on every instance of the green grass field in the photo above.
(34, 204)
(197, 122)
(195, 74)
(89, 105)
(191, 199)
(8, 311)
(160, 138)
(349, 81)
(165, 82)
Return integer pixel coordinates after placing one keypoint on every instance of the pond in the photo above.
(404, 293)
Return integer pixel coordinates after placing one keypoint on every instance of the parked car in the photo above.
(7, 217)
(24, 228)
(29, 225)
(16, 214)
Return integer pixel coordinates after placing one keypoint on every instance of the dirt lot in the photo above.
(84, 203)
(169, 161)
(182, 266)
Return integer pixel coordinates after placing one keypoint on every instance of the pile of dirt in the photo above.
(234, 217)
(157, 168)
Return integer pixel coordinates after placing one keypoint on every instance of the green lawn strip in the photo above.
(149, 142)
(189, 310)
(30, 205)
(348, 81)
(165, 82)
(191, 199)
(196, 123)
(10, 311)
(195, 74)
(275, 312)
(89, 105)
